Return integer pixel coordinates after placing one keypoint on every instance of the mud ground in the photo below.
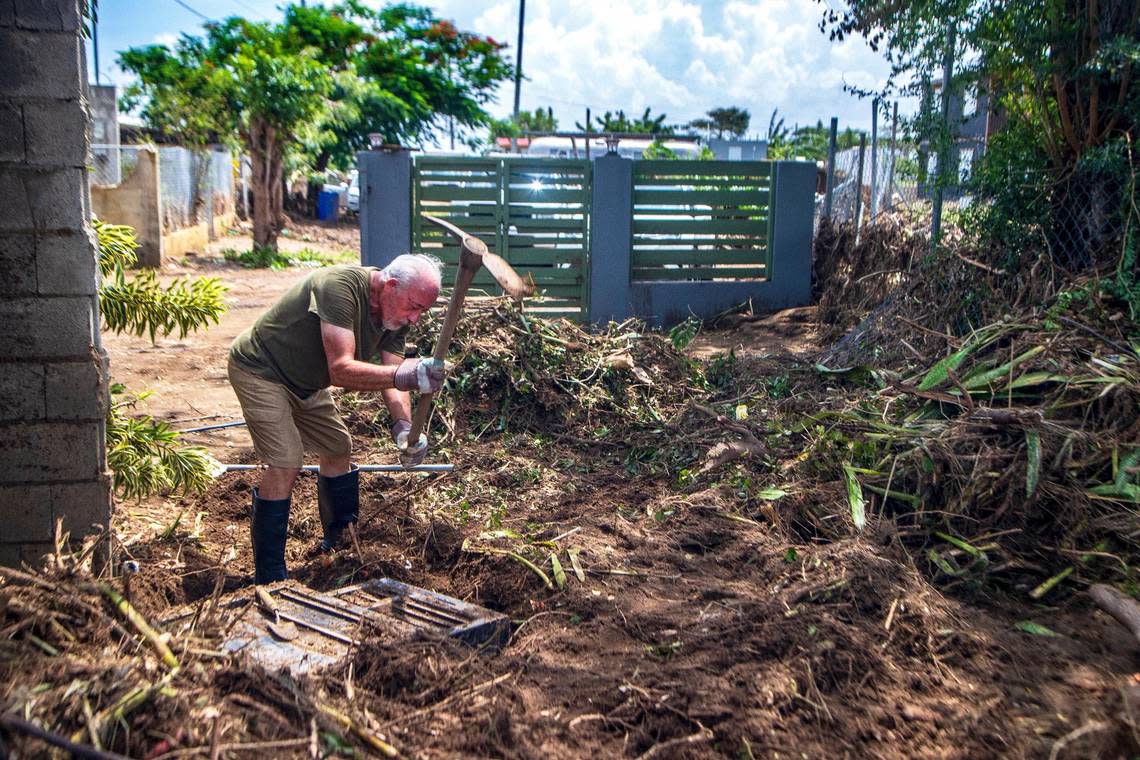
(697, 632)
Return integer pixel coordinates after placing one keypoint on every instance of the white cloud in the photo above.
(680, 57)
(168, 39)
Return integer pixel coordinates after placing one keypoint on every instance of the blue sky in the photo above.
(680, 57)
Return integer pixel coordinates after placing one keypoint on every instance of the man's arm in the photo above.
(346, 371)
(399, 402)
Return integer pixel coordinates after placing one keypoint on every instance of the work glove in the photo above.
(410, 456)
(423, 375)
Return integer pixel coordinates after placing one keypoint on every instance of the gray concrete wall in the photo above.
(663, 304)
(732, 149)
(53, 386)
(136, 203)
(385, 205)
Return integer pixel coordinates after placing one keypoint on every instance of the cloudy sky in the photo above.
(679, 57)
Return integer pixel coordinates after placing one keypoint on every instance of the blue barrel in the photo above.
(327, 204)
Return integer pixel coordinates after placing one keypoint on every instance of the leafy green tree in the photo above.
(657, 151)
(539, 120)
(315, 85)
(647, 124)
(731, 120)
(1061, 73)
(398, 71)
(252, 84)
(146, 456)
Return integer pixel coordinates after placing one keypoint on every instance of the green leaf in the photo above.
(981, 379)
(1036, 629)
(1045, 587)
(964, 546)
(559, 573)
(1123, 492)
(578, 571)
(941, 563)
(771, 494)
(940, 372)
(854, 497)
(1033, 468)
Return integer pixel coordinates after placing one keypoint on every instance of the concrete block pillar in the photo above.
(611, 235)
(53, 373)
(385, 205)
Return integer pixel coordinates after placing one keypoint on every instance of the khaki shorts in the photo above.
(283, 426)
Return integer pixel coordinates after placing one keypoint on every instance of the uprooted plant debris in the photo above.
(882, 553)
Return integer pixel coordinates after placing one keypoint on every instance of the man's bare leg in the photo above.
(277, 483)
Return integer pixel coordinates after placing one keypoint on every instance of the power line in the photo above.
(192, 10)
(249, 7)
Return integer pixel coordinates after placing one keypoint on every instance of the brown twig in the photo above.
(12, 723)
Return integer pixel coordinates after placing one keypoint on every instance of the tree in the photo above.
(732, 120)
(398, 71)
(250, 84)
(315, 86)
(537, 121)
(619, 122)
(145, 456)
(1063, 72)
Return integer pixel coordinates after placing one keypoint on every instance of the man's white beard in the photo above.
(390, 324)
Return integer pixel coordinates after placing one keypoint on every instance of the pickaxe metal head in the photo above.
(473, 254)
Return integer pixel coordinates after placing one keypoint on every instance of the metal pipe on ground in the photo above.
(361, 467)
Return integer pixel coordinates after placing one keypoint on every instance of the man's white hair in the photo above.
(414, 267)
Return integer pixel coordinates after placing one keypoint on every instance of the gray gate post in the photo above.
(611, 233)
(385, 205)
(790, 233)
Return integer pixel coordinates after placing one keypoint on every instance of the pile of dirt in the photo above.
(692, 633)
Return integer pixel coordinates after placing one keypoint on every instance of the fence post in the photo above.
(830, 190)
(874, 160)
(944, 149)
(894, 147)
(611, 235)
(385, 205)
(859, 185)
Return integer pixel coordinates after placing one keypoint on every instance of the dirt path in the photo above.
(697, 632)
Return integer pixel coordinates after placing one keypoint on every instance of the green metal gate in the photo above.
(535, 213)
(701, 220)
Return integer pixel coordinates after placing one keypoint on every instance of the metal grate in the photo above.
(329, 624)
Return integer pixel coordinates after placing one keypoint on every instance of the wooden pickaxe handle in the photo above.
(472, 250)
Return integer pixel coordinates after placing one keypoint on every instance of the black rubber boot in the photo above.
(338, 499)
(267, 529)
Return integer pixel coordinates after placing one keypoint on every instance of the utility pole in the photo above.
(518, 56)
(95, 40)
(518, 71)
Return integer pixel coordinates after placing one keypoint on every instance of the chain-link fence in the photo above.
(112, 164)
(194, 186)
(886, 181)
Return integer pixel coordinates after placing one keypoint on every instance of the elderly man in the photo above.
(323, 332)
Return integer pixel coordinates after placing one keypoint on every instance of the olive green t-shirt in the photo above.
(284, 344)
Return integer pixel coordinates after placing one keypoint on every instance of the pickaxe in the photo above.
(473, 254)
